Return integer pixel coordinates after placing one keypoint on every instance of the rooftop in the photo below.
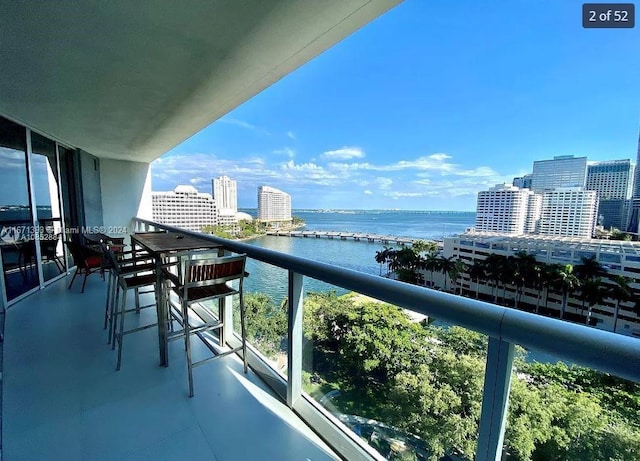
(577, 243)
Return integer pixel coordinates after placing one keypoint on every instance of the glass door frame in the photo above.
(4, 302)
(34, 211)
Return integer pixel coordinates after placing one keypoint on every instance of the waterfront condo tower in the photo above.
(273, 205)
(184, 207)
(506, 209)
(225, 193)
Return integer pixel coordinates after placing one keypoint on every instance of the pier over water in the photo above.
(356, 236)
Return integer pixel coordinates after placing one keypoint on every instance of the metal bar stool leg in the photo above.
(243, 332)
(113, 308)
(107, 304)
(120, 334)
(187, 339)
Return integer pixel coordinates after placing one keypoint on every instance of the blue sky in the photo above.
(425, 106)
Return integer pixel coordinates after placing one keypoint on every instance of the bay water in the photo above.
(427, 225)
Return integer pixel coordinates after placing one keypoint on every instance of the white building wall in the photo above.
(273, 205)
(569, 213)
(225, 193)
(126, 193)
(185, 207)
(505, 208)
(534, 211)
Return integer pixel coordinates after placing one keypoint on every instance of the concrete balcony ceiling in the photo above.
(130, 80)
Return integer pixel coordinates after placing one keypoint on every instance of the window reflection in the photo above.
(44, 170)
(16, 225)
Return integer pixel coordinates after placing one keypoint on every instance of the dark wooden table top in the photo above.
(167, 242)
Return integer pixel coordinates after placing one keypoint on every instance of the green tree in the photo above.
(589, 268)
(567, 283)
(477, 272)
(448, 268)
(430, 263)
(495, 269)
(523, 265)
(621, 292)
(382, 257)
(266, 323)
(592, 292)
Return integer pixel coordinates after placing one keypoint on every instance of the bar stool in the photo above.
(130, 263)
(134, 278)
(206, 280)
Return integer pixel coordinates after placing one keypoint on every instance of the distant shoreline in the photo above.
(253, 237)
(365, 211)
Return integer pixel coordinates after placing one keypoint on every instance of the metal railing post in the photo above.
(497, 383)
(294, 356)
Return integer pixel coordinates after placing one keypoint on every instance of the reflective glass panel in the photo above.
(44, 170)
(16, 231)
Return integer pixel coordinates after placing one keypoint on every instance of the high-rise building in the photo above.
(613, 181)
(225, 193)
(569, 212)
(634, 220)
(523, 182)
(505, 208)
(561, 171)
(273, 205)
(534, 211)
(185, 207)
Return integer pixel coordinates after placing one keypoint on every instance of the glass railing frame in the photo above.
(505, 328)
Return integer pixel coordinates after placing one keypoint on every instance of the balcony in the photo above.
(63, 399)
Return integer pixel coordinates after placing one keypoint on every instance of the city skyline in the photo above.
(423, 108)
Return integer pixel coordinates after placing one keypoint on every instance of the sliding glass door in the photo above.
(38, 205)
(49, 226)
(17, 243)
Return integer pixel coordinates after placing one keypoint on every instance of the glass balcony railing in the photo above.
(386, 370)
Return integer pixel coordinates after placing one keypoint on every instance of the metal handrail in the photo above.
(601, 350)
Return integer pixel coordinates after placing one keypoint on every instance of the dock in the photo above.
(358, 237)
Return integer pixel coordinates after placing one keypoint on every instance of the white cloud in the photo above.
(345, 153)
(289, 152)
(439, 157)
(384, 183)
(433, 177)
(243, 124)
(291, 135)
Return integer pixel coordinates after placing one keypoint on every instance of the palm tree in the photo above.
(382, 257)
(621, 292)
(588, 272)
(477, 272)
(447, 267)
(592, 292)
(538, 281)
(459, 267)
(406, 262)
(522, 265)
(494, 264)
(430, 263)
(589, 269)
(550, 279)
(568, 283)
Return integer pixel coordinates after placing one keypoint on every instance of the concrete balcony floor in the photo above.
(63, 399)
